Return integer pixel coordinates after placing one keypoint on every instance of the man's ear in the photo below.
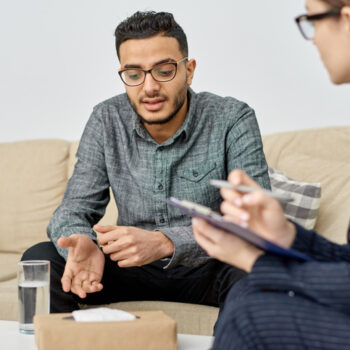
(345, 14)
(190, 68)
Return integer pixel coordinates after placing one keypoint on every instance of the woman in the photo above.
(285, 304)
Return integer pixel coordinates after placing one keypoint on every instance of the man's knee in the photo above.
(40, 251)
(227, 278)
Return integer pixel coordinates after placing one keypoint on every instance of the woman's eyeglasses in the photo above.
(306, 25)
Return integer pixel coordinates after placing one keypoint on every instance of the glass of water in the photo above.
(33, 292)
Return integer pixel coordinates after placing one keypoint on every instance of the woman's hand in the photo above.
(257, 211)
(224, 246)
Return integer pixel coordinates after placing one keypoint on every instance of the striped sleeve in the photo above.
(319, 248)
(325, 282)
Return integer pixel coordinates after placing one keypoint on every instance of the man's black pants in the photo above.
(207, 284)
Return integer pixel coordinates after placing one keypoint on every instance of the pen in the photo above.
(247, 189)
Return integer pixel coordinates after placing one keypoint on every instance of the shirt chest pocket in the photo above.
(194, 183)
(199, 172)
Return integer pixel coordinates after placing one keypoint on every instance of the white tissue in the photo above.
(102, 314)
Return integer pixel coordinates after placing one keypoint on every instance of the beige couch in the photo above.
(33, 176)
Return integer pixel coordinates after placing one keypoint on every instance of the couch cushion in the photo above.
(303, 209)
(319, 155)
(334, 213)
(33, 178)
(8, 263)
(9, 300)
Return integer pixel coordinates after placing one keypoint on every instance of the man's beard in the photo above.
(178, 103)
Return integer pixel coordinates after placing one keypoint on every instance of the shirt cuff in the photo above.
(68, 232)
(186, 251)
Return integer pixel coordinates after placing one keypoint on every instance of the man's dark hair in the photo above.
(143, 25)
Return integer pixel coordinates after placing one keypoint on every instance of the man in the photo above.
(160, 139)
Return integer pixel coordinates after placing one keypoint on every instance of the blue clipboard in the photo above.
(197, 210)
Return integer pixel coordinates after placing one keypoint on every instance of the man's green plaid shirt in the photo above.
(218, 135)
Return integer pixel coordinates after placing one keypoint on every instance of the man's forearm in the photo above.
(87, 192)
(60, 227)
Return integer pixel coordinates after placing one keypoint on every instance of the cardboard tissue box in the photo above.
(151, 330)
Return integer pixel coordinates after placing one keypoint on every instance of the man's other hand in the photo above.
(132, 246)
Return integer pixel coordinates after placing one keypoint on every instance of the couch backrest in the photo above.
(33, 177)
(318, 155)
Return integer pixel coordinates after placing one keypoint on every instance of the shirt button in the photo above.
(162, 221)
(160, 187)
(291, 293)
(195, 173)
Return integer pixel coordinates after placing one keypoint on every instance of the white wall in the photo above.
(57, 60)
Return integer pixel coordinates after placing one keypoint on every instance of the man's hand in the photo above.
(84, 267)
(132, 246)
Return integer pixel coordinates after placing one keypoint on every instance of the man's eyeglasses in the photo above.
(306, 25)
(161, 72)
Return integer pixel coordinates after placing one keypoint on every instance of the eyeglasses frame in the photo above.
(331, 13)
(120, 72)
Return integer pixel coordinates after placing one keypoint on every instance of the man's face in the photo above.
(156, 102)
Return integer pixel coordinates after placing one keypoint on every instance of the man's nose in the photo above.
(150, 85)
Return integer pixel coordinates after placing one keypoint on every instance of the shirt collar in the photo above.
(138, 126)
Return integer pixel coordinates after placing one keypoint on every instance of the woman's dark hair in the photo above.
(147, 24)
(337, 3)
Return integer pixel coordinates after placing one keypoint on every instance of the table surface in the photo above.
(12, 339)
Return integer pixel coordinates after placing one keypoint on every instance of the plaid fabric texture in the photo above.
(306, 198)
(218, 135)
